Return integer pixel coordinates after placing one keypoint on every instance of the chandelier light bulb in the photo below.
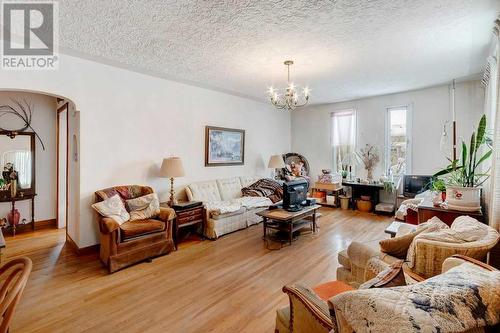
(290, 97)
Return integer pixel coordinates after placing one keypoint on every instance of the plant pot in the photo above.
(344, 202)
(463, 198)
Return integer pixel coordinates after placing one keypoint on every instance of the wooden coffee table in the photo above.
(289, 222)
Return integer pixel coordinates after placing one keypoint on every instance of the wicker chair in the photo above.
(430, 255)
(14, 275)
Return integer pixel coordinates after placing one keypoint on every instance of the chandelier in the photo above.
(289, 98)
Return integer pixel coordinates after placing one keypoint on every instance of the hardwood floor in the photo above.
(229, 285)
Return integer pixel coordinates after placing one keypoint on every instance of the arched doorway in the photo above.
(57, 166)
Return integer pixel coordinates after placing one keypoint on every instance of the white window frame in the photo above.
(409, 136)
(333, 155)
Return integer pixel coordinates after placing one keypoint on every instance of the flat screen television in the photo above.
(294, 194)
(414, 185)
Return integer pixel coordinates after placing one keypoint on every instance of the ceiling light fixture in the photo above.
(289, 98)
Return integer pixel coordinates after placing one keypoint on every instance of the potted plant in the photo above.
(438, 185)
(463, 178)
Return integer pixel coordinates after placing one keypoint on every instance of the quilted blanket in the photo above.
(264, 188)
(463, 298)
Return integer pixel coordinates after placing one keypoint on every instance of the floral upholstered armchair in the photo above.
(129, 242)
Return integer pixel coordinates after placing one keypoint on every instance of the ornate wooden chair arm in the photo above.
(308, 313)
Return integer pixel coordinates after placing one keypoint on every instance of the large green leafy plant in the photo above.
(465, 172)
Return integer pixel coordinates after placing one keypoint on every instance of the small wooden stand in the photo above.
(13, 207)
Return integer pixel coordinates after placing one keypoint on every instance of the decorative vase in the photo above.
(13, 188)
(463, 198)
(369, 176)
(13, 219)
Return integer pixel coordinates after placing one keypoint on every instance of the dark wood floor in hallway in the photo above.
(229, 285)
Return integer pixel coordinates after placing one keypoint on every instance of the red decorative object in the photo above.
(13, 219)
(443, 196)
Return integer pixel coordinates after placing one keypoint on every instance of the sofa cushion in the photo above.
(144, 207)
(113, 208)
(229, 188)
(398, 246)
(248, 180)
(327, 290)
(125, 192)
(140, 227)
(240, 211)
(205, 191)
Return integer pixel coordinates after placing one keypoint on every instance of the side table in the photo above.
(187, 216)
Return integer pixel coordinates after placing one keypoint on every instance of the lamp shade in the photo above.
(172, 168)
(276, 162)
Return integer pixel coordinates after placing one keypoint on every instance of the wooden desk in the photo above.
(427, 210)
(282, 220)
(359, 189)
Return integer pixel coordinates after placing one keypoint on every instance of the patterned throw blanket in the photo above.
(463, 298)
(264, 188)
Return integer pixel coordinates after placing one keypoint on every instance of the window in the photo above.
(397, 155)
(343, 138)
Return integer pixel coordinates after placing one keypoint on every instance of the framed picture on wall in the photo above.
(224, 146)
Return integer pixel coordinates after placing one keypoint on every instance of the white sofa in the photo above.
(224, 193)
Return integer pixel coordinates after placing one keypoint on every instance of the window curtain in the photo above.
(343, 137)
(21, 159)
(492, 111)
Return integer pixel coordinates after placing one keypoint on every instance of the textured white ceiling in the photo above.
(342, 49)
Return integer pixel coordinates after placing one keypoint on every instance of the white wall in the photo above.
(130, 121)
(44, 122)
(431, 108)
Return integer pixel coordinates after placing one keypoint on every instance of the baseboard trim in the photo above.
(44, 224)
(83, 250)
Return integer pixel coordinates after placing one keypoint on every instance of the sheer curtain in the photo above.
(343, 137)
(21, 159)
(492, 111)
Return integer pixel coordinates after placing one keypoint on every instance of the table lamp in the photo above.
(276, 162)
(172, 168)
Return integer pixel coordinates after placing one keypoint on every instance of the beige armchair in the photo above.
(355, 260)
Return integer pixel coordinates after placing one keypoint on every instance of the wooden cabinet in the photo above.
(426, 210)
(186, 217)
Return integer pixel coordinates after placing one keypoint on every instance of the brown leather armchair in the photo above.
(133, 241)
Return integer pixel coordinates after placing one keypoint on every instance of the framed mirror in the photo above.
(17, 161)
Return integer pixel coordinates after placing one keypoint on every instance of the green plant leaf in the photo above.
(484, 158)
(481, 130)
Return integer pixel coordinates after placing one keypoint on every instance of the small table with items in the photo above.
(288, 222)
(188, 213)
